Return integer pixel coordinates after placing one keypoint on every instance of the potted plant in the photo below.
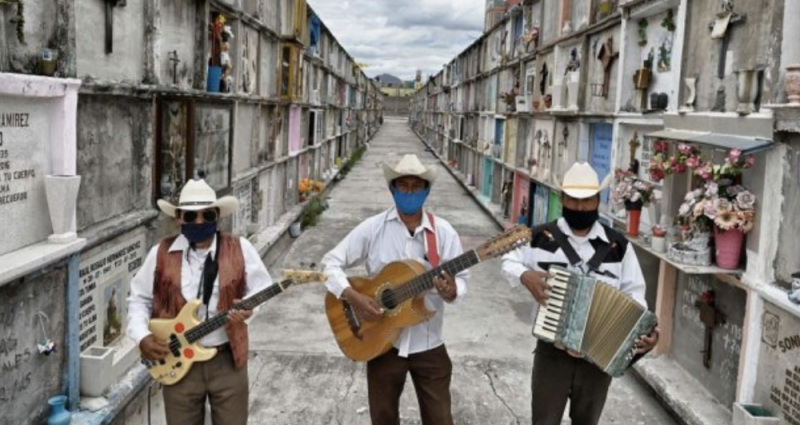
(663, 165)
(634, 194)
(643, 32)
(659, 240)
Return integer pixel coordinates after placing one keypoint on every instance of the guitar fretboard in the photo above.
(424, 281)
(197, 333)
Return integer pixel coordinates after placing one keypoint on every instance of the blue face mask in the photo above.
(410, 203)
(198, 232)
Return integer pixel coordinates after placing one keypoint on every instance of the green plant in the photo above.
(312, 212)
(352, 161)
(669, 21)
(643, 32)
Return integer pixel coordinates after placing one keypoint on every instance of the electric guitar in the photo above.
(184, 332)
(398, 290)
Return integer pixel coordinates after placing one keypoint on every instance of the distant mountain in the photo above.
(389, 80)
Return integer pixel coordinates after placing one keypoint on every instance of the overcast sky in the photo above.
(400, 36)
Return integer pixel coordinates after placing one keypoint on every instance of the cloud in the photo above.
(399, 37)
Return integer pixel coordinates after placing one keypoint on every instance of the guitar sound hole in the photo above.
(389, 299)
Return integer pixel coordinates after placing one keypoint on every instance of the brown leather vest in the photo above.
(168, 299)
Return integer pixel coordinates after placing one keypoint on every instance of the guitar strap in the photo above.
(431, 247)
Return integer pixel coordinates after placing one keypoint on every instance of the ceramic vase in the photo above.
(728, 245)
(59, 415)
(746, 91)
(792, 83)
(658, 243)
(62, 198)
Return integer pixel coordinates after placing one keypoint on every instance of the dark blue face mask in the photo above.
(196, 233)
(410, 203)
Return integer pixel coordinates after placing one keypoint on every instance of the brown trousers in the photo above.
(225, 387)
(430, 372)
(556, 377)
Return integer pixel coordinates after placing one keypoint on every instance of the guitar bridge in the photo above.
(352, 319)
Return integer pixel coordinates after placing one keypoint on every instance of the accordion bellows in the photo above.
(593, 318)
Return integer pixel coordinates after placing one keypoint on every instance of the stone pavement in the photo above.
(298, 375)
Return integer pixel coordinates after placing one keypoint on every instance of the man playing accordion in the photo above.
(582, 245)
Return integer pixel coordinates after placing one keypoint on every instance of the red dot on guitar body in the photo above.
(179, 328)
(188, 353)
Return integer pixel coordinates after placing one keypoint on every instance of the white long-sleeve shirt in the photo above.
(140, 301)
(382, 239)
(623, 273)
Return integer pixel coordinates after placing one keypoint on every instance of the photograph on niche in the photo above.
(212, 144)
(113, 305)
(172, 156)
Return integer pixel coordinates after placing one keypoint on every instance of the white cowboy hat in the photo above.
(410, 165)
(581, 181)
(197, 195)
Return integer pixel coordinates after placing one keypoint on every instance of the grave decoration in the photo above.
(722, 206)
(634, 194)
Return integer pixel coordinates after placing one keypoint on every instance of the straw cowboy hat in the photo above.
(581, 181)
(197, 195)
(410, 165)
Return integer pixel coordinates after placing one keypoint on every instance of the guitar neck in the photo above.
(424, 281)
(220, 320)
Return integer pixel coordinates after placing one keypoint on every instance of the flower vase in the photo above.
(658, 243)
(634, 210)
(728, 244)
(792, 83)
(634, 216)
(59, 415)
(62, 198)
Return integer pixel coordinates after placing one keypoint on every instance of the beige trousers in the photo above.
(216, 380)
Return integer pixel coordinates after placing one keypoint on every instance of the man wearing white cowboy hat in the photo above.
(404, 232)
(220, 268)
(580, 243)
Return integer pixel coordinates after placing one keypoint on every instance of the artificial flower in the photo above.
(745, 200)
(726, 220)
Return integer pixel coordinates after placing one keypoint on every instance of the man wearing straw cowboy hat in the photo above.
(580, 243)
(220, 268)
(404, 232)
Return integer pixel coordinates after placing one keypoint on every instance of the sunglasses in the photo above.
(209, 216)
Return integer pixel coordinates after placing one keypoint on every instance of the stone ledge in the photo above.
(118, 397)
(681, 392)
(31, 258)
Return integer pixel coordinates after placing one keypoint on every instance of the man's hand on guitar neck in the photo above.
(153, 348)
(366, 307)
(446, 286)
(239, 316)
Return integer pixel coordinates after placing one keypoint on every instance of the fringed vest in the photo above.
(168, 299)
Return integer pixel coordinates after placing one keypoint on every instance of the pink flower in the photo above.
(684, 209)
(734, 155)
(685, 149)
(693, 162)
(750, 161)
(712, 189)
(710, 210)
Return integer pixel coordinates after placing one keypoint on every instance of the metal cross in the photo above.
(173, 57)
(607, 57)
(725, 38)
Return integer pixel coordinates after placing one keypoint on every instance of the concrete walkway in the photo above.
(298, 375)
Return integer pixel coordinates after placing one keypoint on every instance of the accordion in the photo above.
(593, 318)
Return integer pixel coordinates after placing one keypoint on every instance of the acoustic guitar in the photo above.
(184, 332)
(398, 289)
